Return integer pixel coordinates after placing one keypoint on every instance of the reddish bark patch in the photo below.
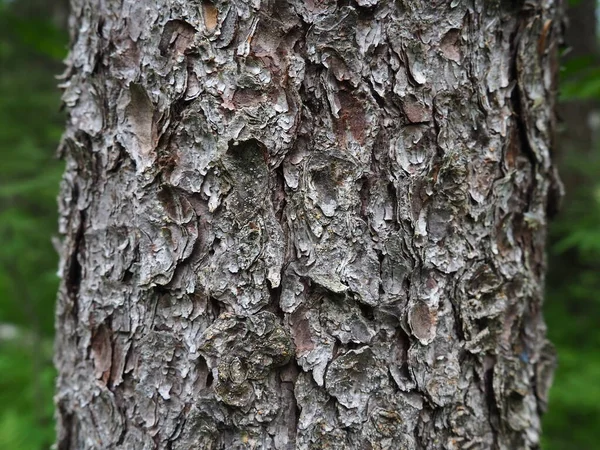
(102, 353)
(177, 36)
(301, 334)
(450, 46)
(416, 111)
(512, 148)
(247, 97)
(352, 117)
(423, 322)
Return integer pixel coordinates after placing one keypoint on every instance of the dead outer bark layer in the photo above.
(306, 224)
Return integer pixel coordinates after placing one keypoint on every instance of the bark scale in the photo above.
(306, 224)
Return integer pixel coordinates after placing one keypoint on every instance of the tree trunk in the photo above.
(306, 224)
(577, 138)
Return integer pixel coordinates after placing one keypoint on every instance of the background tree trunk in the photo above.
(306, 224)
(577, 134)
(571, 306)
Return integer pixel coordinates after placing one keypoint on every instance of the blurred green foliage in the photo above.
(31, 125)
(580, 80)
(31, 47)
(572, 305)
(572, 311)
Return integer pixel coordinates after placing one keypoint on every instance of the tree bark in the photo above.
(306, 224)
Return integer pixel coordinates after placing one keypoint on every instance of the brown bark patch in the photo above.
(352, 116)
(178, 36)
(247, 97)
(102, 353)
(211, 16)
(301, 335)
(416, 111)
(423, 322)
(140, 113)
(450, 46)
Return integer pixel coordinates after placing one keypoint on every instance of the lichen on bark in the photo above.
(306, 224)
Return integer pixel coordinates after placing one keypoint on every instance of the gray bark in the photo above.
(306, 224)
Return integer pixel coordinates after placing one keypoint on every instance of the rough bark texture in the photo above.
(306, 224)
